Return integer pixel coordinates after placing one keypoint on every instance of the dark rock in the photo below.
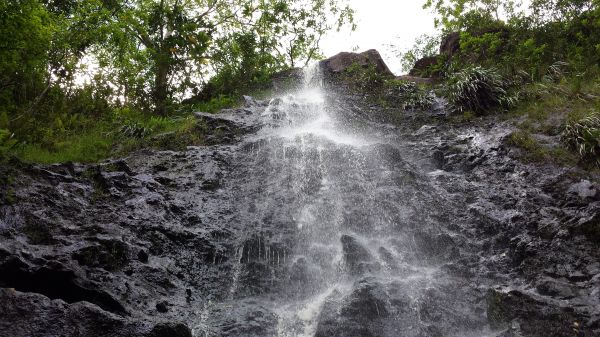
(556, 288)
(162, 306)
(108, 254)
(142, 256)
(287, 79)
(438, 247)
(243, 233)
(368, 301)
(534, 317)
(439, 159)
(342, 61)
(360, 314)
(55, 282)
(247, 319)
(31, 314)
(357, 258)
(424, 67)
(170, 330)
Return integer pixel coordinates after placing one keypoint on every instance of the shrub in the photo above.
(7, 142)
(583, 136)
(133, 129)
(409, 95)
(366, 79)
(478, 90)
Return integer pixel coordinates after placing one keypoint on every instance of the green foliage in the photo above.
(136, 57)
(79, 148)
(478, 90)
(584, 137)
(534, 151)
(135, 130)
(424, 46)
(365, 78)
(514, 38)
(409, 95)
(387, 90)
(216, 104)
(7, 142)
(237, 43)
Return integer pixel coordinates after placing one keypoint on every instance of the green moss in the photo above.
(465, 117)
(523, 140)
(535, 152)
(497, 313)
(7, 191)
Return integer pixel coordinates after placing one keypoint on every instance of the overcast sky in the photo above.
(379, 24)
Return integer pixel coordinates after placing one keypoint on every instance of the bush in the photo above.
(478, 90)
(409, 95)
(366, 79)
(583, 136)
(7, 142)
(133, 129)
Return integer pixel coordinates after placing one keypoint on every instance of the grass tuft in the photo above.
(477, 89)
(583, 136)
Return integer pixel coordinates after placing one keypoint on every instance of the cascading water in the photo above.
(342, 235)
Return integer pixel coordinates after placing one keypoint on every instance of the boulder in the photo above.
(342, 61)
(170, 330)
(534, 316)
(584, 189)
(26, 314)
(287, 79)
(357, 258)
(360, 314)
(422, 67)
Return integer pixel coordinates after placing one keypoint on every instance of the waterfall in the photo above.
(334, 229)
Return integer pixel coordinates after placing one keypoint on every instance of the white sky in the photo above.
(381, 23)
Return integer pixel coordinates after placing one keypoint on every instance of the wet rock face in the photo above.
(274, 230)
(359, 314)
(357, 258)
(519, 313)
(127, 247)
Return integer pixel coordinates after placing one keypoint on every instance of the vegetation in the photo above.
(477, 89)
(584, 136)
(540, 63)
(388, 90)
(82, 80)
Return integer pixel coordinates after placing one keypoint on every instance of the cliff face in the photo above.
(365, 225)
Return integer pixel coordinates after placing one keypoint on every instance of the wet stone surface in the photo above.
(309, 216)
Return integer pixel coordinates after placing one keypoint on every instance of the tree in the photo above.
(27, 30)
(164, 47)
(458, 14)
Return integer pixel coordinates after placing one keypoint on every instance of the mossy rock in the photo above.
(498, 314)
